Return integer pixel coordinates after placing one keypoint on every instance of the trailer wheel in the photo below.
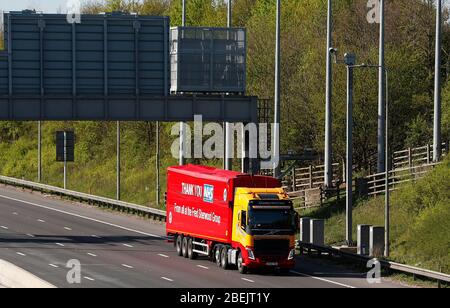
(217, 254)
(178, 244)
(240, 264)
(224, 258)
(184, 250)
(190, 249)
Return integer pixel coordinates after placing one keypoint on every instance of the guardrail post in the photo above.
(344, 179)
(294, 180)
(310, 177)
(428, 154)
(410, 162)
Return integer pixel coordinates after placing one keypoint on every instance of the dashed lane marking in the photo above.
(204, 267)
(167, 279)
(83, 217)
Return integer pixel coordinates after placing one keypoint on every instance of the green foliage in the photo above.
(418, 132)
(409, 57)
(446, 112)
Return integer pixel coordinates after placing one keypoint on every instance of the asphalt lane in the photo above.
(41, 234)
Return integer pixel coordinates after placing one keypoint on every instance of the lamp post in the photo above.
(437, 140)
(381, 93)
(228, 160)
(182, 128)
(276, 133)
(328, 109)
(349, 61)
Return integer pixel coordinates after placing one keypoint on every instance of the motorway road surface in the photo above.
(41, 234)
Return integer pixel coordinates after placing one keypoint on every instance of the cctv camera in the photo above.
(333, 50)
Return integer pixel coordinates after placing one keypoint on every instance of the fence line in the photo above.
(306, 183)
(375, 184)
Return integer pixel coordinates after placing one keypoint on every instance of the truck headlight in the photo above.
(291, 254)
(250, 253)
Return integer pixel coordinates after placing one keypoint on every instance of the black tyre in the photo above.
(224, 258)
(178, 244)
(240, 264)
(191, 254)
(184, 250)
(217, 254)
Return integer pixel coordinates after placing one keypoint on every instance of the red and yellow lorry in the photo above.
(233, 218)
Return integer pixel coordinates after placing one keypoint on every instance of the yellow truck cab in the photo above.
(264, 225)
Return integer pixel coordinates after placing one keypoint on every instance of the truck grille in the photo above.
(271, 247)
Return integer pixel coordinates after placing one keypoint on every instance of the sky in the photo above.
(47, 6)
(50, 6)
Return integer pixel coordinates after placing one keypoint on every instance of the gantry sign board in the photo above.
(107, 67)
(65, 146)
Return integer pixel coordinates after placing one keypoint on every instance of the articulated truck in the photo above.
(235, 219)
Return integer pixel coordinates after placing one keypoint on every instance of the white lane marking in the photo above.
(67, 228)
(89, 278)
(91, 254)
(83, 217)
(53, 265)
(21, 254)
(59, 244)
(128, 245)
(15, 213)
(163, 255)
(204, 267)
(3, 227)
(324, 280)
(127, 266)
(40, 220)
(30, 235)
(248, 280)
(168, 279)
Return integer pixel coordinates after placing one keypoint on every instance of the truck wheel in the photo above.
(184, 245)
(224, 258)
(191, 254)
(217, 254)
(178, 244)
(240, 264)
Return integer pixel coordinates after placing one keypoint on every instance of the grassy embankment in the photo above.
(420, 220)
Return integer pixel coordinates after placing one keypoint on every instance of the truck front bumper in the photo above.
(270, 262)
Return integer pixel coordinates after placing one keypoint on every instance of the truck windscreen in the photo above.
(271, 218)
